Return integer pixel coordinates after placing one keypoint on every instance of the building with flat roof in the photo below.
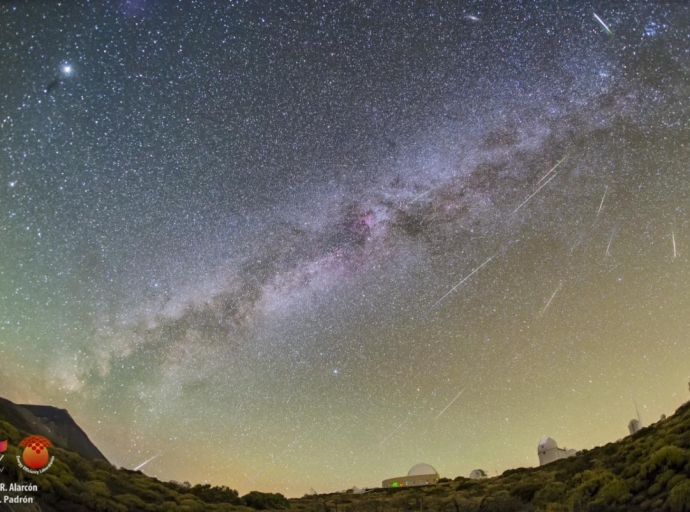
(420, 474)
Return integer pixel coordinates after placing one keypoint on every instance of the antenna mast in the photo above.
(639, 418)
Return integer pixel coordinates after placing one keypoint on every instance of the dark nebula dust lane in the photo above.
(292, 245)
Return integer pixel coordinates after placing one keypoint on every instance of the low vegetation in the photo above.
(75, 484)
(647, 471)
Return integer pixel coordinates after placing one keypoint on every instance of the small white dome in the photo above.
(421, 469)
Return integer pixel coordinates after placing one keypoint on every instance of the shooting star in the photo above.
(601, 22)
(673, 238)
(463, 280)
(451, 403)
(543, 185)
(608, 247)
(420, 196)
(601, 205)
(551, 170)
(552, 296)
(147, 461)
(409, 415)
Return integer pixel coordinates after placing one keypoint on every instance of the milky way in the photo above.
(274, 242)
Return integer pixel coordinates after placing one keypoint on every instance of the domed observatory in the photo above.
(549, 451)
(419, 474)
(478, 474)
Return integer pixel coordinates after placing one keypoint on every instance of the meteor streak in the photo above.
(421, 195)
(551, 170)
(409, 415)
(673, 238)
(601, 205)
(601, 22)
(463, 280)
(451, 403)
(542, 186)
(608, 246)
(552, 296)
(147, 461)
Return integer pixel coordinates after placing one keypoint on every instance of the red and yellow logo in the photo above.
(35, 455)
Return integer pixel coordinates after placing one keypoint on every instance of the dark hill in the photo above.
(51, 422)
(647, 471)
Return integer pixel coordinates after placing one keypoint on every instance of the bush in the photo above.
(679, 497)
(130, 500)
(10, 433)
(654, 490)
(265, 500)
(516, 471)
(664, 478)
(220, 494)
(553, 492)
(668, 457)
(525, 492)
(614, 492)
(98, 488)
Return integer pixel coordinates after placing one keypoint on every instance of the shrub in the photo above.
(675, 481)
(668, 457)
(97, 487)
(614, 492)
(130, 500)
(679, 497)
(10, 433)
(654, 490)
(663, 478)
(598, 487)
(557, 507)
(552, 492)
(265, 500)
(525, 492)
(221, 494)
(515, 471)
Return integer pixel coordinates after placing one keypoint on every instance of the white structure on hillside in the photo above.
(549, 451)
(634, 426)
(420, 474)
(476, 474)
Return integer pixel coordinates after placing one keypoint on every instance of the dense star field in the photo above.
(294, 245)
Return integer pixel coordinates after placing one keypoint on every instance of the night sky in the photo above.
(297, 245)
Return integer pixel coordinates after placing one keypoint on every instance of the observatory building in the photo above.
(477, 474)
(634, 426)
(420, 474)
(549, 451)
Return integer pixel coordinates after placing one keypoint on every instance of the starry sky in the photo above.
(298, 244)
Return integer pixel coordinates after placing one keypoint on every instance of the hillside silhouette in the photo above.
(51, 422)
(649, 470)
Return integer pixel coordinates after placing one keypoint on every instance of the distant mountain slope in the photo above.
(647, 471)
(51, 422)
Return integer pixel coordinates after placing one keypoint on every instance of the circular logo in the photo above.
(35, 453)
